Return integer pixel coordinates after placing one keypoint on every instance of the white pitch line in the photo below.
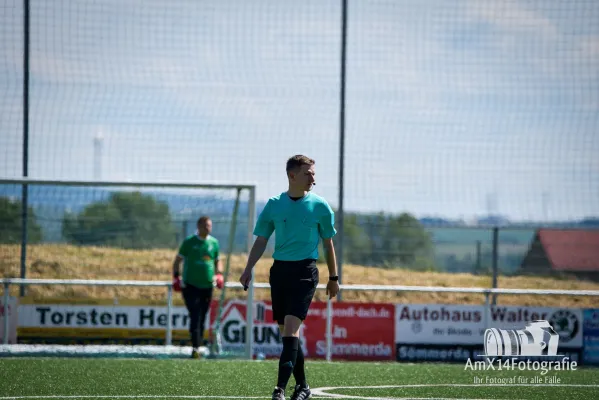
(170, 396)
(323, 390)
(138, 397)
(317, 393)
(456, 385)
(129, 397)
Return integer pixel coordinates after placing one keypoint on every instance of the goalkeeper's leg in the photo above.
(204, 307)
(192, 303)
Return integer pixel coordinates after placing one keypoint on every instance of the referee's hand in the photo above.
(332, 288)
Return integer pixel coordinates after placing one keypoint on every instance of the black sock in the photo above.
(287, 360)
(298, 371)
(194, 339)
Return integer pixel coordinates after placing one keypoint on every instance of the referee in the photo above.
(300, 218)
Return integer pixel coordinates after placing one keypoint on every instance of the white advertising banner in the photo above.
(101, 316)
(465, 324)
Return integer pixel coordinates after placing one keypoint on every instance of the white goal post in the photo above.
(19, 188)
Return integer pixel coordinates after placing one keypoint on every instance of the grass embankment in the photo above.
(72, 262)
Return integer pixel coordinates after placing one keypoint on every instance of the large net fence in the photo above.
(460, 116)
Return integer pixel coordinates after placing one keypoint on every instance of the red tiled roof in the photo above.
(571, 250)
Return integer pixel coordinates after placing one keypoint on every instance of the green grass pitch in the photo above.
(79, 378)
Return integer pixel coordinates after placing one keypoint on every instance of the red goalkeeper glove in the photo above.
(177, 283)
(220, 281)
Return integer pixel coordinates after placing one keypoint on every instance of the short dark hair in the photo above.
(203, 219)
(297, 161)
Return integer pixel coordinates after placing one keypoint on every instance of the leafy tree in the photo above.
(128, 220)
(11, 226)
(387, 241)
(406, 241)
(376, 227)
(357, 245)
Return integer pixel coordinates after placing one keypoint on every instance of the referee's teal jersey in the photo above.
(298, 225)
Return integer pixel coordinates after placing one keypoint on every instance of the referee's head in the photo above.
(301, 173)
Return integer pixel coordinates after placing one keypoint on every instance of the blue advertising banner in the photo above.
(590, 332)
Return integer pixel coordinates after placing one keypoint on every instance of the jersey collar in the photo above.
(296, 201)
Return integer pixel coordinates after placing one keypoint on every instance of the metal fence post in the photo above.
(25, 190)
(486, 312)
(478, 266)
(6, 313)
(169, 319)
(329, 335)
(340, 213)
(495, 260)
(249, 323)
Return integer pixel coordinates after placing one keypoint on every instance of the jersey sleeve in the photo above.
(183, 249)
(265, 226)
(326, 222)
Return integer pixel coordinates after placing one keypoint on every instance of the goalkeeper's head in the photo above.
(204, 226)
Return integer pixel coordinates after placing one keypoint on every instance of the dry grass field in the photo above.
(72, 262)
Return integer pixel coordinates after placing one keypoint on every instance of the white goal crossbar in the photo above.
(487, 292)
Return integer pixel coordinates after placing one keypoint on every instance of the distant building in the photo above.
(574, 252)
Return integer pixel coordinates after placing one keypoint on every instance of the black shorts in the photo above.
(292, 288)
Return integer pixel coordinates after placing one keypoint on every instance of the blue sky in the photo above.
(449, 103)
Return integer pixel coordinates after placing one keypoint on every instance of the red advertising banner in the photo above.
(360, 331)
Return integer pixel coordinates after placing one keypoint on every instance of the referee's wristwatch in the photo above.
(334, 278)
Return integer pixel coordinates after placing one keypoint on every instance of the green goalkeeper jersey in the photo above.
(200, 256)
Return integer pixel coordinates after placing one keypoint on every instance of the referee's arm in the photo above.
(329, 252)
(255, 254)
(257, 250)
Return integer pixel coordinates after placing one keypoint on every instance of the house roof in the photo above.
(571, 250)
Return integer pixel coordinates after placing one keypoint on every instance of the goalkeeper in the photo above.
(200, 253)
